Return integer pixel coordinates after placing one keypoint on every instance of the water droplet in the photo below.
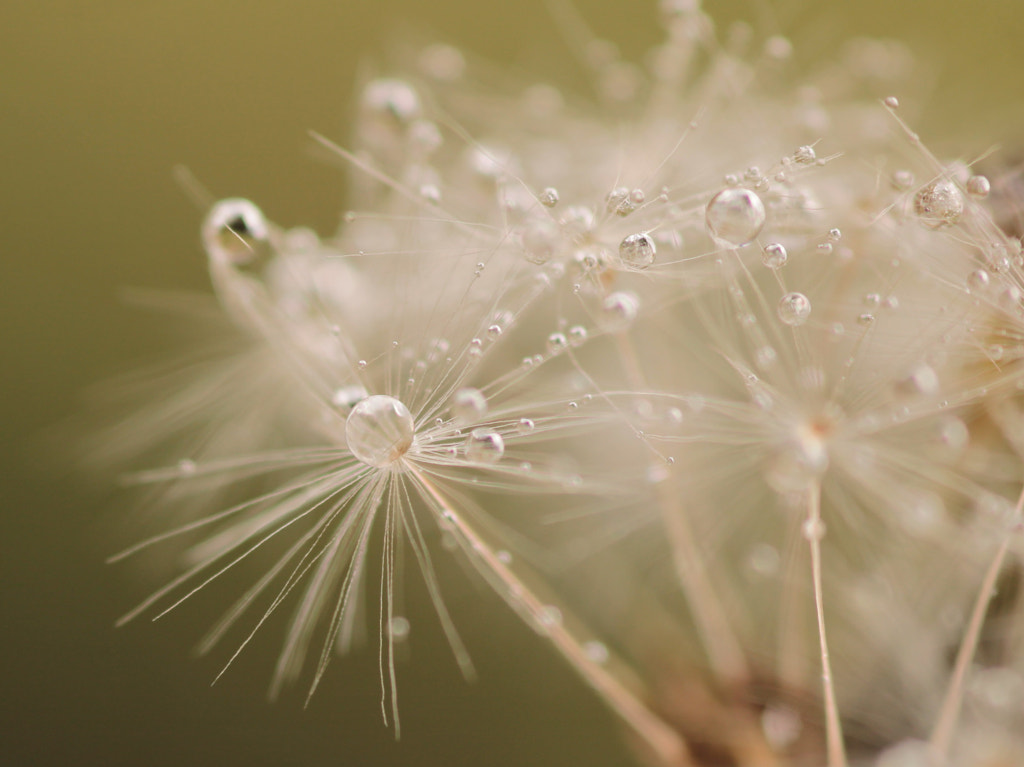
(938, 204)
(399, 627)
(557, 343)
(805, 155)
(813, 529)
(978, 280)
(865, 319)
(430, 192)
(468, 405)
(234, 231)
(765, 357)
(892, 102)
(978, 187)
(549, 197)
(794, 309)
(494, 332)
(425, 136)
(577, 335)
(774, 255)
(620, 309)
(549, 617)
(362, 364)
(596, 652)
(637, 251)
(735, 216)
(835, 235)
(902, 180)
(485, 446)
(379, 430)
(525, 426)
(578, 220)
(347, 397)
(395, 98)
(922, 379)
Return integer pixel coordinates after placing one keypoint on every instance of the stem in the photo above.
(667, 745)
(833, 726)
(950, 711)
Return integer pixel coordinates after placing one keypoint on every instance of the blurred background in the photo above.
(98, 102)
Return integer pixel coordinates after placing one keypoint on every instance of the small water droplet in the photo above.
(485, 446)
(902, 180)
(549, 197)
(735, 216)
(468, 405)
(620, 309)
(794, 309)
(394, 98)
(938, 204)
(557, 343)
(234, 231)
(637, 251)
(774, 255)
(813, 529)
(596, 652)
(978, 187)
(525, 425)
(892, 102)
(577, 335)
(399, 627)
(805, 155)
(978, 280)
(347, 397)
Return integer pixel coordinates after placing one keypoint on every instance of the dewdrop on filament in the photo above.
(379, 431)
(735, 216)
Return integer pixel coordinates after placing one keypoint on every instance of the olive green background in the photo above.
(98, 102)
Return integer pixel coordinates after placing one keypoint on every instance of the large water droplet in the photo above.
(485, 446)
(794, 309)
(379, 430)
(939, 204)
(735, 216)
(637, 251)
(234, 230)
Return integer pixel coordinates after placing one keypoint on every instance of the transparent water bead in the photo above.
(392, 97)
(939, 204)
(620, 309)
(379, 430)
(540, 239)
(794, 309)
(485, 446)
(233, 231)
(735, 216)
(347, 397)
(549, 197)
(978, 187)
(774, 255)
(637, 251)
(469, 405)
